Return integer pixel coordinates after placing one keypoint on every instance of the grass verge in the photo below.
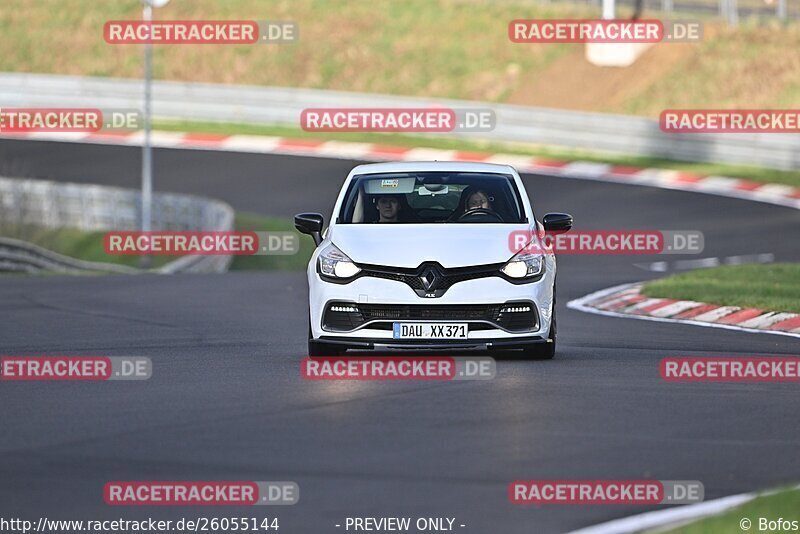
(756, 174)
(774, 287)
(784, 504)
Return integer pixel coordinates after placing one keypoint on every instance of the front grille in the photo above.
(419, 312)
(442, 278)
(515, 316)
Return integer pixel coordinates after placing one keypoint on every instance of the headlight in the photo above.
(524, 265)
(334, 263)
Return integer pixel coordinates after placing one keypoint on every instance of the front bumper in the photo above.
(486, 291)
(398, 345)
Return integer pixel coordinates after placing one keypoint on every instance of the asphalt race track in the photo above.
(226, 401)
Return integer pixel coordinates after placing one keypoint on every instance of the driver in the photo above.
(478, 200)
(388, 209)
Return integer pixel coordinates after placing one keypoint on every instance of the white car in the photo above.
(417, 256)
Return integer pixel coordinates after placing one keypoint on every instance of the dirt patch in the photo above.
(571, 82)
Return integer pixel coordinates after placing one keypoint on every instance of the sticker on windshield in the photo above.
(395, 186)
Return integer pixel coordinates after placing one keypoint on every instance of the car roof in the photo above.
(432, 166)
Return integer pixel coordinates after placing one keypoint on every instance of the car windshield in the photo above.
(432, 197)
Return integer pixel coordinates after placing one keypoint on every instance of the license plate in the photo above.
(430, 331)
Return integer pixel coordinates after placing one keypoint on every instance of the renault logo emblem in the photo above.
(430, 278)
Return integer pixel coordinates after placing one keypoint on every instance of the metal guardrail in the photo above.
(90, 207)
(272, 105)
(730, 10)
(21, 256)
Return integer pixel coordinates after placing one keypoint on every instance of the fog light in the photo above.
(516, 309)
(347, 309)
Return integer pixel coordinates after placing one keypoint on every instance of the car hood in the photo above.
(408, 245)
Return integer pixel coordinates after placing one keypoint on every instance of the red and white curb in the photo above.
(676, 517)
(627, 301)
(783, 195)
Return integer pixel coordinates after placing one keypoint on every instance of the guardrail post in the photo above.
(609, 9)
(729, 11)
(782, 13)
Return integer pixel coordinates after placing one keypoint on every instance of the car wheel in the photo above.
(320, 348)
(544, 351)
(316, 348)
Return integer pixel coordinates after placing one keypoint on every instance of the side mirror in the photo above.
(557, 222)
(311, 224)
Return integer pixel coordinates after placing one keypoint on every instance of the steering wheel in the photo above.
(486, 212)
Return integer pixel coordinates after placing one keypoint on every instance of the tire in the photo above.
(544, 351)
(316, 348)
(319, 348)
